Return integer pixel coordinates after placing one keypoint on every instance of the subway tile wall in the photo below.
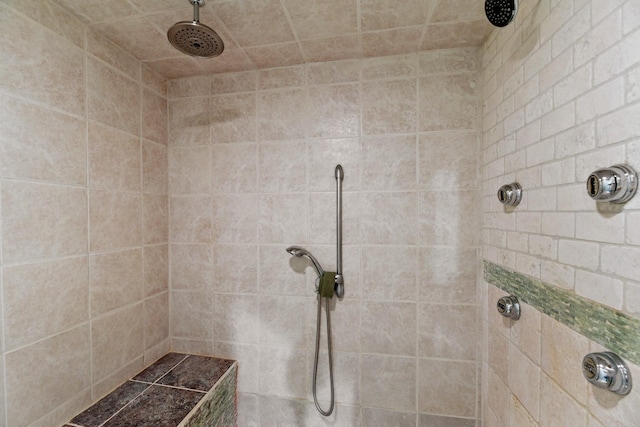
(560, 99)
(84, 216)
(251, 171)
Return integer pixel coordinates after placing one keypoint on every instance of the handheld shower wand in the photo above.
(300, 252)
(328, 284)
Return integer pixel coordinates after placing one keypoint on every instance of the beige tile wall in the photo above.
(560, 89)
(251, 171)
(85, 173)
(83, 216)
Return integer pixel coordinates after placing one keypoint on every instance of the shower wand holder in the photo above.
(339, 286)
(326, 284)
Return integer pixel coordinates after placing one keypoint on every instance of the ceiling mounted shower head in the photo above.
(501, 12)
(194, 38)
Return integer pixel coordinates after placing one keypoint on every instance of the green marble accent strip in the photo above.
(219, 407)
(614, 330)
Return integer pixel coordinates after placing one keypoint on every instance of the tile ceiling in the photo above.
(270, 33)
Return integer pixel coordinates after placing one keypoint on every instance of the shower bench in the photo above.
(179, 390)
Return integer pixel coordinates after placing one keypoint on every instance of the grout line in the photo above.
(3, 377)
(417, 228)
(169, 386)
(88, 206)
(121, 409)
(140, 192)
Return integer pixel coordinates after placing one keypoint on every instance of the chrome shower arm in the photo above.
(196, 9)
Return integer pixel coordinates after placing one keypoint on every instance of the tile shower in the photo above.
(401, 127)
(97, 194)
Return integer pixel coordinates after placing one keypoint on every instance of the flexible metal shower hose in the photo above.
(315, 362)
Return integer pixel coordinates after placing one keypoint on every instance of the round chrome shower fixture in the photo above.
(194, 38)
(501, 12)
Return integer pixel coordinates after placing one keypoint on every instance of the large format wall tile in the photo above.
(236, 168)
(389, 382)
(236, 318)
(447, 102)
(192, 266)
(447, 218)
(29, 150)
(233, 118)
(279, 371)
(156, 269)
(282, 218)
(156, 320)
(389, 107)
(113, 99)
(447, 274)
(34, 294)
(155, 221)
(449, 160)
(389, 163)
(189, 170)
(236, 269)
(191, 219)
(189, 121)
(236, 218)
(389, 328)
(115, 220)
(192, 315)
(279, 163)
(334, 111)
(325, 154)
(447, 331)
(116, 280)
(41, 65)
(47, 374)
(281, 114)
(114, 159)
(154, 117)
(155, 177)
(389, 273)
(388, 218)
(117, 339)
(106, 50)
(282, 321)
(448, 389)
(42, 221)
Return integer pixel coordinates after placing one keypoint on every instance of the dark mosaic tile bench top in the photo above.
(165, 393)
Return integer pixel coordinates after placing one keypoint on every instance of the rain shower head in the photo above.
(194, 38)
(501, 12)
(300, 252)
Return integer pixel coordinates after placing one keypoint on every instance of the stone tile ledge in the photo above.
(179, 390)
(613, 329)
